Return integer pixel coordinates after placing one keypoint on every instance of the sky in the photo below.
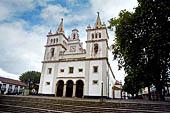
(24, 25)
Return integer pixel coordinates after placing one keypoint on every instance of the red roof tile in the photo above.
(116, 88)
(11, 81)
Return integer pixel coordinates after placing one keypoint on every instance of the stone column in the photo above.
(74, 90)
(64, 90)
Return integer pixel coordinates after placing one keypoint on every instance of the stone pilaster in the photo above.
(74, 90)
(64, 90)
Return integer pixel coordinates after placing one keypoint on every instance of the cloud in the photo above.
(43, 2)
(53, 13)
(73, 2)
(8, 75)
(111, 8)
(12, 8)
(21, 50)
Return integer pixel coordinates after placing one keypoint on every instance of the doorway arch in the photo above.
(79, 88)
(60, 85)
(69, 88)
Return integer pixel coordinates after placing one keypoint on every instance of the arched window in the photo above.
(54, 41)
(92, 36)
(100, 35)
(51, 41)
(96, 35)
(52, 52)
(74, 36)
(96, 48)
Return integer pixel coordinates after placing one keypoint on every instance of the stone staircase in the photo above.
(36, 104)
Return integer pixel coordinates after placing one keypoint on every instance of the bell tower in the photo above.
(56, 43)
(97, 40)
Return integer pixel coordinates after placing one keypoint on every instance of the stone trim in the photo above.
(72, 54)
(72, 60)
(55, 45)
(111, 69)
(99, 40)
(96, 40)
(57, 35)
(96, 29)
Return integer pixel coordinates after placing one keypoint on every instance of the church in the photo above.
(69, 70)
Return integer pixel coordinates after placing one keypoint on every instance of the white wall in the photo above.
(117, 93)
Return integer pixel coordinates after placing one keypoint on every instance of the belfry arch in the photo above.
(60, 85)
(79, 88)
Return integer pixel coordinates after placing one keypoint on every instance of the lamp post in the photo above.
(101, 91)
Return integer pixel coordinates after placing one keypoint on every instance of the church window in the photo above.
(99, 35)
(51, 41)
(96, 35)
(95, 81)
(61, 70)
(80, 70)
(74, 36)
(71, 69)
(47, 83)
(96, 48)
(49, 70)
(95, 69)
(92, 36)
(52, 52)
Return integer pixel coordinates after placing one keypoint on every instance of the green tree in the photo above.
(142, 42)
(31, 77)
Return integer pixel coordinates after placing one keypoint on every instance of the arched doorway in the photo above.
(60, 86)
(79, 88)
(69, 88)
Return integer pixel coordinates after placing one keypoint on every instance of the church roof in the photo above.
(116, 88)
(60, 28)
(98, 23)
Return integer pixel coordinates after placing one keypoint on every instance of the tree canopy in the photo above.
(31, 77)
(142, 42)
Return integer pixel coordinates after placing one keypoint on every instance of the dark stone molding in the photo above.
(95, 97)
(52, 95)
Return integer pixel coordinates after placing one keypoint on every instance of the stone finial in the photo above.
(88, 26)
(49, 32)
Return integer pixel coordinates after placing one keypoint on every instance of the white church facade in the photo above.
(70, 71)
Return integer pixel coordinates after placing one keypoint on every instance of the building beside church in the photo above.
(11, 87)
(70, 71)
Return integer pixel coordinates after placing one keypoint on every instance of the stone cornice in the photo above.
(75, 59)
(99, 40)
(57, 35)
(72, 54)
(55, 45)
(94, 29)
